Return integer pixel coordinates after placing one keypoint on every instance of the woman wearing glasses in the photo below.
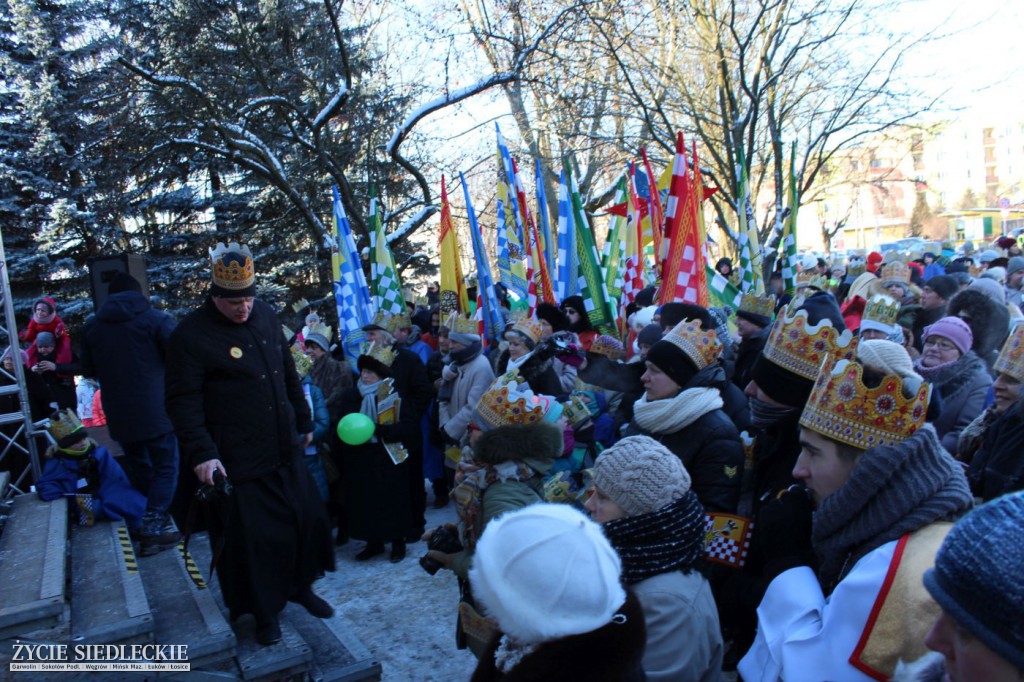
(960, 377)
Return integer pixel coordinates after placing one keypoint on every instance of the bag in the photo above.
(473, 631)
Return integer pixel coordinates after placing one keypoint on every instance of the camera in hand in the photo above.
(444, 540)
(221, 487)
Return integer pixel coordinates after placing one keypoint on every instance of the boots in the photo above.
(158, 533)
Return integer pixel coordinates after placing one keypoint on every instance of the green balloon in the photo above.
(355, 428)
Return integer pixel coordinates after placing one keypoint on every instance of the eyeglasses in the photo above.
(941, 344)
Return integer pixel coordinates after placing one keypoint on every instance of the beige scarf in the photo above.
(669, 415)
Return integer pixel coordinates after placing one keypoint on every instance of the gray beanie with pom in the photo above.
(641, 475)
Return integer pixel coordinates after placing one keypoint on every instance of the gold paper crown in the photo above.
(528, 327)
(882, 309)
(895, 273)
(576, 410)
(300, 305)
(461, 324)
(232, 266)
(799, 347)
(400, 321)
(701, 346)
(508, 402)
(383, 320)
(383, 354)
(811, 278)
(64, 424)
(324, 330)
(758, 305)
(303, 363)
(842, 408)
(608, 346)
(1011, 357)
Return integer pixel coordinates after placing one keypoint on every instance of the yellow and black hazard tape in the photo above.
(190, 566)
(131, 564)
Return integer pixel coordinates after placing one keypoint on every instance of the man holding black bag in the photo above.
(238, 409)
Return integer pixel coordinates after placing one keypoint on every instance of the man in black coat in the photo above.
(124, 345)
(237, 404)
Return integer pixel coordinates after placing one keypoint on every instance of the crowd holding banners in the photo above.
(824, 431)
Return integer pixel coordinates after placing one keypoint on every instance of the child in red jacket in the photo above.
(45, 319)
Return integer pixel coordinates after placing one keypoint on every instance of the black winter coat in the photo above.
(233, 393)
(124, 345)
(988, 320)
(776, 450)
(411, 381)
(746, 355)
(711, 451)
(998, 467)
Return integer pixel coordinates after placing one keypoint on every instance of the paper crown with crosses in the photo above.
(1011, 357)
(842, 408)
(66, 428)
(895, 273)
(510, 402)
(799, 347)
(753, 304)
(303, 362)
(378, 352)
(460, 324)
(528, 327)
(233, 269)
(880, 313)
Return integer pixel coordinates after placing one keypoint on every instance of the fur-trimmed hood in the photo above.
(989, 321)
(535, 444)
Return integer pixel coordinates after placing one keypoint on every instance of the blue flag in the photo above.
(494, 322)
(351, 294)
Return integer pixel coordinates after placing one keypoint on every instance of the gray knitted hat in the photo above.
(45, 339)
(641, 475)
(977, 576)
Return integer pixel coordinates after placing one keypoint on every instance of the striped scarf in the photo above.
(670, 539)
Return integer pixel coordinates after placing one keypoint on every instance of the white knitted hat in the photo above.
(546, 572)
(641, 475)
(889, 358)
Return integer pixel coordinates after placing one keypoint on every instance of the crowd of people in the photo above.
(851, 426)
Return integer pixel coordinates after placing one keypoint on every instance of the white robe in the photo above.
(802, 636)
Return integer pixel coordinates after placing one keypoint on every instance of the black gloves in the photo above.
(784, 532)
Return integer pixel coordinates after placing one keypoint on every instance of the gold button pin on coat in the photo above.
(235, 352)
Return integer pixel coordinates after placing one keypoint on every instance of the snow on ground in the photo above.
(402, 614)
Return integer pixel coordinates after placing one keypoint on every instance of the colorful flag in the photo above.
(633, 280)
(548, 243)
(537, 269)
(489, 308)
(789, 230)
(681, 233)
(351, 295)
(384, 281)
(453, 286)
(655, 209)
(591, 279)
(699, 280)
(721, 291)
(510, 248)
(567, 277)
(612, 256)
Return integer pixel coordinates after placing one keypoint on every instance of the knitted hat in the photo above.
(990, 288)
(640, 475)
(7, 354)
(123, 282)
(952, 328)
(977, 576)
(988, 256)
(943, 285)
(45, 339)
(48, 302)
(649, 335)
(891, 359)
(685, 350)
(995, 272)
(232, 270)
(546, 572)
(1016, 263)
(675, 312)
(874, 260)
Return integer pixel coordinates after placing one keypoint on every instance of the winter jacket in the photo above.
(537, 371)
(332, 377)
(113, 496)
(609, 654)
(233, 393)
(321, 415)
(683, 639)
(989, 322)
(998, 467)
(60, 334)
(537, 446)
(124, 345)
(411, 382)
(710, 449)
(473, 380)
(963, 388)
